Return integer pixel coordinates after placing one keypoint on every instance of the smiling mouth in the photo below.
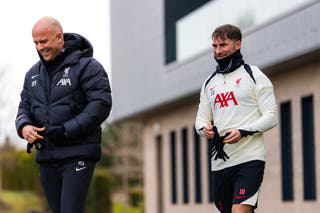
(45, 54)
(220, 57)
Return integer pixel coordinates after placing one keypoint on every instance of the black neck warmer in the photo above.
(229, 63)
(52, 66)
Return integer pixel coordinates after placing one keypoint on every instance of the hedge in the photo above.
(99, 196)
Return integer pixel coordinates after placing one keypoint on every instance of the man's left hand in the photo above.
(233, 137)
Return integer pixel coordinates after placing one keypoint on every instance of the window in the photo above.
(185, 165)
(174, 10)
(173, 168)
(197, 165)
(286, 152)
(210, 178)
(309, 172)
(193, 30)
(159, 175)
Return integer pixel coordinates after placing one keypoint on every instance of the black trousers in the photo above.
(66, 184)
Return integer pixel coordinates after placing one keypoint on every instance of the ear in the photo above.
(59, 36)
(238, 44)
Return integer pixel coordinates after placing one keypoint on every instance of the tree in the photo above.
(5, 150)
(2, 71)
(122, 154)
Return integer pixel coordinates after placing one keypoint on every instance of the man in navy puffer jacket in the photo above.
(65, 98)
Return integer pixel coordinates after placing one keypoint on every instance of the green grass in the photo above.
(23, 202)
(119, 208)
(20, 202)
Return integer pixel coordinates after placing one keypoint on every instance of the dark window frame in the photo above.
(174, 10)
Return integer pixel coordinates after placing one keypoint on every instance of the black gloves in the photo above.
(39, 144)
(216, 146)
(55, 133)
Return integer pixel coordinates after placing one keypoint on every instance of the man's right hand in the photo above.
(30, 133)
(208, 132)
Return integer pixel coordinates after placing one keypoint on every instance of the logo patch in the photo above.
(34, 83)
(238, 82)
(66, 72)
(212, 90)
(65, 80)
(242, 193)
(34, 76)
(80, 166)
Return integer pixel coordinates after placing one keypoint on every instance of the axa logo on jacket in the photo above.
(65, 80)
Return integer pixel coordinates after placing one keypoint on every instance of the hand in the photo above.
(233, 137)
(208, 132)
(30, 133)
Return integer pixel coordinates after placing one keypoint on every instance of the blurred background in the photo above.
(158, 54)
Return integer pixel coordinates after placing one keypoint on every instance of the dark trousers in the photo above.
(66, 184)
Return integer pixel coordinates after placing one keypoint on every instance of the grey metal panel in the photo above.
(140, 79)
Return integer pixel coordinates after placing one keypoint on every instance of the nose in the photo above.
(217, 50)
(39, 46)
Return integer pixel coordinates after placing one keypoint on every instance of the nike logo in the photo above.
(33, 76)
(79, 169)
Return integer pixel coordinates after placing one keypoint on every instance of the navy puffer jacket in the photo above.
(77, 95)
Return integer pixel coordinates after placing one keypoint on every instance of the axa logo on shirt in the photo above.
(224, 99)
